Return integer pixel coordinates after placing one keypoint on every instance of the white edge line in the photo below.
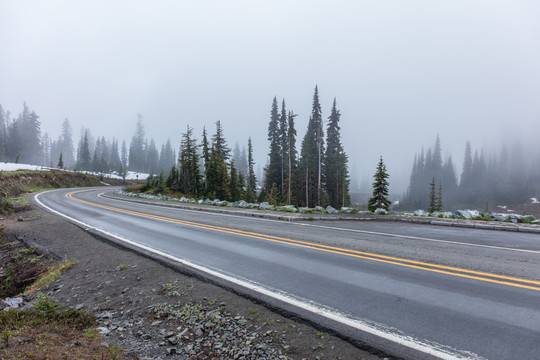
(333, 315)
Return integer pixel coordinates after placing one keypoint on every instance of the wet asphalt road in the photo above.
(453, 290)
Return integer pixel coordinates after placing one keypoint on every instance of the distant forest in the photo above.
(315, 175)
(486, 179)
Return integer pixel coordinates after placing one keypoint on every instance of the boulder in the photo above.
(289, 208)
(319, 209)
(498, 217)
(265, 206)
(420, 212)
(463, 214)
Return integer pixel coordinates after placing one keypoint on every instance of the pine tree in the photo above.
(311, 156)
(137, 148)
(217, 177)
(251, 187)
(335, 163)
(234, 187)
(380, 189)
(292, 166)
(152, 158)
(60, 162)
(66, 144)
(84, 159)
(189, 174)
(123, 170)
(432, 205)
(273, 169)
(439, 204)
(3, 134)
(167, 157)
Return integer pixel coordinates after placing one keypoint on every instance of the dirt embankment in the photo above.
(154, 312)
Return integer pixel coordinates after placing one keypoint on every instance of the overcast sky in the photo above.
(402, 71)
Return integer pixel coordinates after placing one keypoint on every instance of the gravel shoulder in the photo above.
(155, 312)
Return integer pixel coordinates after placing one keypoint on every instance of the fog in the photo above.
(402, 72)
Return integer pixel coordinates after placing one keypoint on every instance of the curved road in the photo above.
(412, 291)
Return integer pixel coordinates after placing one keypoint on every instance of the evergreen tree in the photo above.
(84, 159)
(123, 170)
(335, 164)
(432, 197)
(115, 163)
(234, 186)
(137, 148)
(284, 150)
(251, 187)
(206, 158)
(167, 157)
(273, 169)
(3, 134)
(466, 182)
(152, 158)
(60, 162)
(66, 144)
(217, 176)
(46, 150)
(189, 174)
(172, 179)
(439, 204)
(380, 189)
(311, 156)
(290, 157)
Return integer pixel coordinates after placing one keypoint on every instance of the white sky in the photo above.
(402, 71)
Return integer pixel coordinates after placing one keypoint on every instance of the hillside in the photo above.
(13, 184)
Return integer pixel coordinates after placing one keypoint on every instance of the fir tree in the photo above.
(234, 187)
(251, 186)
(335, 164)
(84, 159)
(66, 144)
(292, 166)
(380, 189)
(273, 169)
(432, 205)
(189, 174)
(60, 162)
(137, 148)
(439, 204)
(311, 156)
(123, 170)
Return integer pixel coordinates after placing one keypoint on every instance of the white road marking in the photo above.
(433, 349)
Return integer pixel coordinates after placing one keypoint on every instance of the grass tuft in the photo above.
(50, 276)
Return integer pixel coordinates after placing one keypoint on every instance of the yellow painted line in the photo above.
(465, 273)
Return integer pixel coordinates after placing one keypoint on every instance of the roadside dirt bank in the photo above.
(155, 312)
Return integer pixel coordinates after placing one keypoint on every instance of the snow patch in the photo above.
(535, 201)
(14, 167)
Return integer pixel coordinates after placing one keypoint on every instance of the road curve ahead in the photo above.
(412, 291)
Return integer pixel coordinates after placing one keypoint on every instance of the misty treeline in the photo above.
(315, 175)
(505, 176)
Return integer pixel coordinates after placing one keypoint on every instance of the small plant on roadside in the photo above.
(115, 351)
(46, 306)
(91, 333)
(5, 335)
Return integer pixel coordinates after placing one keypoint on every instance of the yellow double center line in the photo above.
(448, 270)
